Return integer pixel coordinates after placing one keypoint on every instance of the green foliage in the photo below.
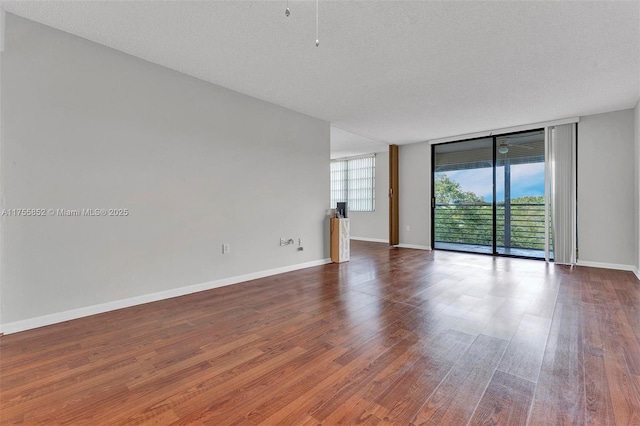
(448, 191)
(464, 217)
(537, 199)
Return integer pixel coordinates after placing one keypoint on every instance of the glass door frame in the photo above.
(494, 137)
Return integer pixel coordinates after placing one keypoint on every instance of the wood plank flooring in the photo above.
(395, 336)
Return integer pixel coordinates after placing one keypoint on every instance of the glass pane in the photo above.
(520, 194)
(463, 189)
(338, 182)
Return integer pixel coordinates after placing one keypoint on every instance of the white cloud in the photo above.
(526, 179)
(527, 171)
(478, 181)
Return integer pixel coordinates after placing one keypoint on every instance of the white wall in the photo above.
(415, 195)
(637, 186)
(375, 225)
(2, 33)
(195, 164)
(606, 189)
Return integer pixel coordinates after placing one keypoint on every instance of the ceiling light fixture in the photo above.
(287, 12)
(503, 148)
(317, 25)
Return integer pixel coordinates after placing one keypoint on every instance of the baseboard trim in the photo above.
(371, 240)
(616, 266)
(413, 246)
(31, 323)
(637, 272)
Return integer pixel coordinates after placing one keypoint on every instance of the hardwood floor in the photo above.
(395, 336)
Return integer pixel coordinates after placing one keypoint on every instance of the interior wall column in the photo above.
(394, 221)
(2, 201)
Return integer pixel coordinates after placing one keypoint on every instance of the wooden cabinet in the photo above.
(340, 240)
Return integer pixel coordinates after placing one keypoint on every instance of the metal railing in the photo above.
(523, 227)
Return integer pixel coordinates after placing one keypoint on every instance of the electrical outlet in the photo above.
(408, 228)
(225, 249)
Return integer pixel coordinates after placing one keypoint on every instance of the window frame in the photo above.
(347, 175)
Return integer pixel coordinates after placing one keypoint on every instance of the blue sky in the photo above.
(526, 180)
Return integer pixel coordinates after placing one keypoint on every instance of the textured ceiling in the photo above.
(347, 144)
(394, 71)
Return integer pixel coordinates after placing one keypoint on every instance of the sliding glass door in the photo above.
(463, 208)
(520, 194)
(489, 195)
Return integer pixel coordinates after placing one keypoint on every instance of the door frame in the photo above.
(494, 137)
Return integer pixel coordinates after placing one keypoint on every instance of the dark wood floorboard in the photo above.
(395, 336)
(506, 401)
(454, 400)
(523, 357)
(560, 392)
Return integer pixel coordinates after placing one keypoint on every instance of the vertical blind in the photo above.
(562, 179)
(354, 180)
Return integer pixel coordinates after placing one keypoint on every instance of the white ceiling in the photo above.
(347, 144)
(386, 71)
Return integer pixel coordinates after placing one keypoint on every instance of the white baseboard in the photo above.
(28, 324)
(372, 240)
(413, 246)
(616, 266)
(637, 272)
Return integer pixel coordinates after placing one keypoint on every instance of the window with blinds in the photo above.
(354, 180)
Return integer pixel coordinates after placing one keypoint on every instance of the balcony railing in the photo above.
(517, 225)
